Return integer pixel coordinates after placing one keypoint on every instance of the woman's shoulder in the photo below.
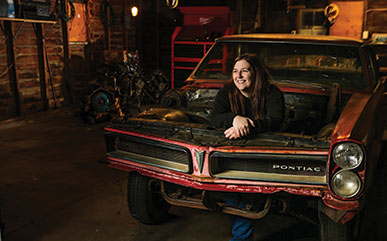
(275, 93)
(225, 87)
(274, 89)
(223, 90)
(222, 95)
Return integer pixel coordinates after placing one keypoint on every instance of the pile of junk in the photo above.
(122, 88)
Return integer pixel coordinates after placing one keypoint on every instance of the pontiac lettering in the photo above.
(297, 168)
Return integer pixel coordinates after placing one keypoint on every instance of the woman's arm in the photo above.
(240, 127)
(222, 117)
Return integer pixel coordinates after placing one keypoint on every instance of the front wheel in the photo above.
(332, 231)
(146, 206)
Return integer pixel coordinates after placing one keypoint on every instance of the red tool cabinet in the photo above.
(190, 42)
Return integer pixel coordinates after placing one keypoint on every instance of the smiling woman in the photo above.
(248, 103)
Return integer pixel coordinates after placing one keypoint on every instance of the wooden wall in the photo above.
(26, 87)
(375, 16)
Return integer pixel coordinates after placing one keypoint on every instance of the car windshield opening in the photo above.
(304, 63)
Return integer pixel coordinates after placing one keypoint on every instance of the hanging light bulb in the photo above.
(134, 11)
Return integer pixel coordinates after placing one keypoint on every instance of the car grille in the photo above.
(269, 167)
(153, 152)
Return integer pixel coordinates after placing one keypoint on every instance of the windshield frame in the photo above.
(356, 45)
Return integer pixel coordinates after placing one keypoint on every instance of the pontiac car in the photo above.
(318, 167)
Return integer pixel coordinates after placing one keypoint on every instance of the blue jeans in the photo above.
(242, 228)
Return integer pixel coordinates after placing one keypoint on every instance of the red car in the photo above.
(319, 165)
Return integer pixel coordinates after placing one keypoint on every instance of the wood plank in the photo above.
(13, 80)
(67, 68)
(26, 20)
(42, 64)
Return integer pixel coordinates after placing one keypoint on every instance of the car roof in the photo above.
(294, 37)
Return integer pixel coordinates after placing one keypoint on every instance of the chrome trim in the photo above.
(150, 161)
(275, 177)
(200, 159)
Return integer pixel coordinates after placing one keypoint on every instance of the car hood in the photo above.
(204, 135)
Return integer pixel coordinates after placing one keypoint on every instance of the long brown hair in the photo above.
(258, 91)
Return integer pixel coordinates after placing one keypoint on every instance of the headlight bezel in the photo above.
(347, 147)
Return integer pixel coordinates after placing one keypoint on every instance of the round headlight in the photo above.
(348, 155)
(346, 184)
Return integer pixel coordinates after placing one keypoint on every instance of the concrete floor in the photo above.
(52, 188)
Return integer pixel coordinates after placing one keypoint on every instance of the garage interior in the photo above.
(56, 56)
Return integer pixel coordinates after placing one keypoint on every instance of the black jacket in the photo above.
(222, 116)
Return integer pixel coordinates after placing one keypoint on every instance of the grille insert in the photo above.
(152, 152)
(269, 167)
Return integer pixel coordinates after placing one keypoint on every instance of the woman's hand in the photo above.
(240, 127)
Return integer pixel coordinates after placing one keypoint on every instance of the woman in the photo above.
(249, 103)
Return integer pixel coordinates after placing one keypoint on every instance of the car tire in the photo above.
(146, 206)
(332, 231)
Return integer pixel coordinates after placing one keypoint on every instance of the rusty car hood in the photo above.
(204, 135)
